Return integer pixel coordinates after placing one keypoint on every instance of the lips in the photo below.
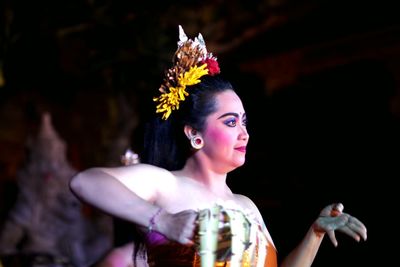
(241, 149)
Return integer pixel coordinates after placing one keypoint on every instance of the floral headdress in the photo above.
(190, 62)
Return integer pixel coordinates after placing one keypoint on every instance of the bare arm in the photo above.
(103, 191)
(131, 193)
(305, 252)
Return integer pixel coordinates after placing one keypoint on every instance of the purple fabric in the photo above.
(155, 238)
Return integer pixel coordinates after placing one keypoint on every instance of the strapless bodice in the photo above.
(260, 252)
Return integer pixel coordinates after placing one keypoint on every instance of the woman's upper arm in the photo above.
(143, 179)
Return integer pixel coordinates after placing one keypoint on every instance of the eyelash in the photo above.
(232, 122)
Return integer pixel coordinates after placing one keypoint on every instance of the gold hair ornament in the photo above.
(190, 62)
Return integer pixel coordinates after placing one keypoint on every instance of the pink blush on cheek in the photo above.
(217, 135)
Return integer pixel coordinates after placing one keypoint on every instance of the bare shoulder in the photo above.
(248, 204)
(245, 202)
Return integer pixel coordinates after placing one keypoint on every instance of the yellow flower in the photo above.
(170, 101)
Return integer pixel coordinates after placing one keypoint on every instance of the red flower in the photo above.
(212, 66)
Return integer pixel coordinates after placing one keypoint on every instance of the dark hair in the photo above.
(165, 144)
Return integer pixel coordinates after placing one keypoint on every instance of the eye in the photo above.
(244, 122)
(230, 122)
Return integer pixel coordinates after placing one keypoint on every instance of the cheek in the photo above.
(218, 136)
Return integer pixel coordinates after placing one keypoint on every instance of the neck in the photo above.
(206, 176)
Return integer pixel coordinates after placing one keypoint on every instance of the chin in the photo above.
(234, 166)
(239, 163)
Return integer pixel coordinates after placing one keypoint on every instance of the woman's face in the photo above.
(225, 135)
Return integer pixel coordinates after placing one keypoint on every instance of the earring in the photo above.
(196, 142)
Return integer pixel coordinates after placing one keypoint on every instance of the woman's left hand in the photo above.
(332, 218)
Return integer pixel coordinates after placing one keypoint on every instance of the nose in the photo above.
(244, 135)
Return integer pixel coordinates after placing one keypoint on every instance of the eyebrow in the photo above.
(231, 114)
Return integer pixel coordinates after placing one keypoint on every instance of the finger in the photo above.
(333, 209)
(332, 237)
(186, 241)
(337, 209)
(327, 210)
(188, 236)
(350, 232)
(191, 218)
(190, 213)
(358, 227)
(357, 222)
(190, 224)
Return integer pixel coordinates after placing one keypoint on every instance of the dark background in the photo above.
(319, 79)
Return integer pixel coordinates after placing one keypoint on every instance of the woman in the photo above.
(199, 137)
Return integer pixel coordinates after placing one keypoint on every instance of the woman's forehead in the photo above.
(229, 101)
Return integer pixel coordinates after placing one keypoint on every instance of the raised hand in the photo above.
(333, 218)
